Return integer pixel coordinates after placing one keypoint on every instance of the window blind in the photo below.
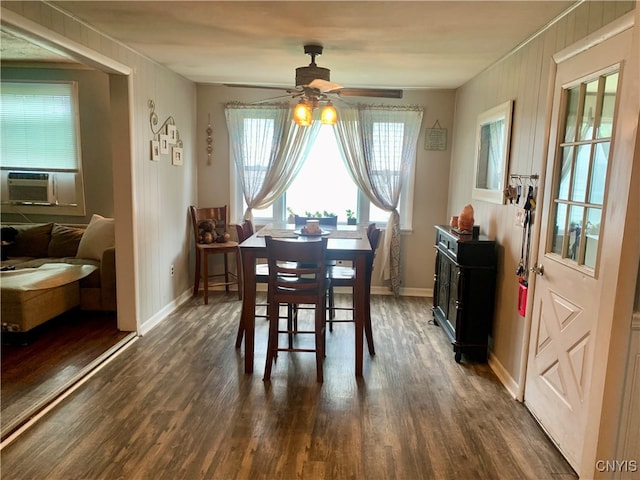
(39, 126)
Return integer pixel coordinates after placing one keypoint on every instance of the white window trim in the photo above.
(68, 209)
(236, 210)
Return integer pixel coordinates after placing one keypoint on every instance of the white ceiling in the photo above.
(416, 44)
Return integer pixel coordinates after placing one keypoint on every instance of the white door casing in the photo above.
(575, 223)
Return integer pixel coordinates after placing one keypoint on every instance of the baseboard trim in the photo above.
(503, 375)
(147, 326)
(375, 290)
(404, 291)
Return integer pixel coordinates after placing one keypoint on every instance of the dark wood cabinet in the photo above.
(464, 290)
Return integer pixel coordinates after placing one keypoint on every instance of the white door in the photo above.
(572, 248)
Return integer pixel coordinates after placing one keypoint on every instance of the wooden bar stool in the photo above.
(297, 275)
(203, 250)
(345, 277)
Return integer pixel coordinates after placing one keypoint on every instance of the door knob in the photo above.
(538, 269)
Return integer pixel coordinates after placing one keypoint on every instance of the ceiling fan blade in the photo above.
(369, 92)
(263, 87)
(279, 97)
(324, 86)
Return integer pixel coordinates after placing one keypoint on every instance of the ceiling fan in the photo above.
(314, 86)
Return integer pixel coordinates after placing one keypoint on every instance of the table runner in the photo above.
(285, 233)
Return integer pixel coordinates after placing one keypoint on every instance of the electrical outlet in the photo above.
(172, 269)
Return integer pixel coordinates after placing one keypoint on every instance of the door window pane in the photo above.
(608, 106)
(589, 110)
(575, 231)
(581, 171)
(559, 228)
(592, 236)
(573, 95)
(599, 174)
(565, 173)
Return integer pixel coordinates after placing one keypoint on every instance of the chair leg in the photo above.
(206, 278)
(226, 272)
(368, 331)
(240, 333)
(320, 318)
(290, 325)
(196, 280)
(272, 344)
(332, 307)
(239, 277)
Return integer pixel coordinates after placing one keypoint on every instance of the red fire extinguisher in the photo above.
(523, 288)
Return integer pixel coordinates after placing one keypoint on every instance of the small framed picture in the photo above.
(176, 157)
(172, 134)
(164, 144)
(155, 150)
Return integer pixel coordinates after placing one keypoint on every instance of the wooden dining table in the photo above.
(345, 242)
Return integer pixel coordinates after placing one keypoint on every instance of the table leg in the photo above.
(360, 297)
(206, 277)
(248, 306)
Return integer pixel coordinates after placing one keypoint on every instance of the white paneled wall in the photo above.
(524, 76)
(151, 199)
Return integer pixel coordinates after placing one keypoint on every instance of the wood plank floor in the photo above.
(176, 404)
(58, 351)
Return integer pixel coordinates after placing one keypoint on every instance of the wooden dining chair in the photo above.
(244, 231)
(203, 250)
(297, 275)
(342, 276)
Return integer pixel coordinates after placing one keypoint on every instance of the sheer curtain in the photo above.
(268, 149)
(378, 144)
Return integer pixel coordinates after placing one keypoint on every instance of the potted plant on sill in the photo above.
(351, 217)
(292, 215)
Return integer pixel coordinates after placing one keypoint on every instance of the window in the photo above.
(582, 173)
(40, 133)
(324, 184)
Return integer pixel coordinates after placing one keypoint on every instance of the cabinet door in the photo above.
(444, 276)
(454, 292)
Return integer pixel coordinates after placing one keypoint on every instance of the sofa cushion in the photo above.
(99, 235)
(31, 241)
(64, 241)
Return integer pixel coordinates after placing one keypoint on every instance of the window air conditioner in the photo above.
(32, 187)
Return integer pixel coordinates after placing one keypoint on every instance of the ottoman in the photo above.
(31, 296)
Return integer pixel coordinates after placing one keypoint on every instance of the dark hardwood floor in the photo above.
(57, 352)
(176, 404)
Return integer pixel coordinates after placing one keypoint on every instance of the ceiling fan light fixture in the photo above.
(329, 115)
(302, 114)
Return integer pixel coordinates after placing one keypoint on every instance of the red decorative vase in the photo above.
(465, 219)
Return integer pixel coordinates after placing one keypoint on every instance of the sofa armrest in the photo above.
(108, 279)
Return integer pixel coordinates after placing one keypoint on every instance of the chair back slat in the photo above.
(219, 214)
(297, 270)
(244, 230)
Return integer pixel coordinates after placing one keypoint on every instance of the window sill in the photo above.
(28, 208)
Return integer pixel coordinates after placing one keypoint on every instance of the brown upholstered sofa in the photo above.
(39, 244)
